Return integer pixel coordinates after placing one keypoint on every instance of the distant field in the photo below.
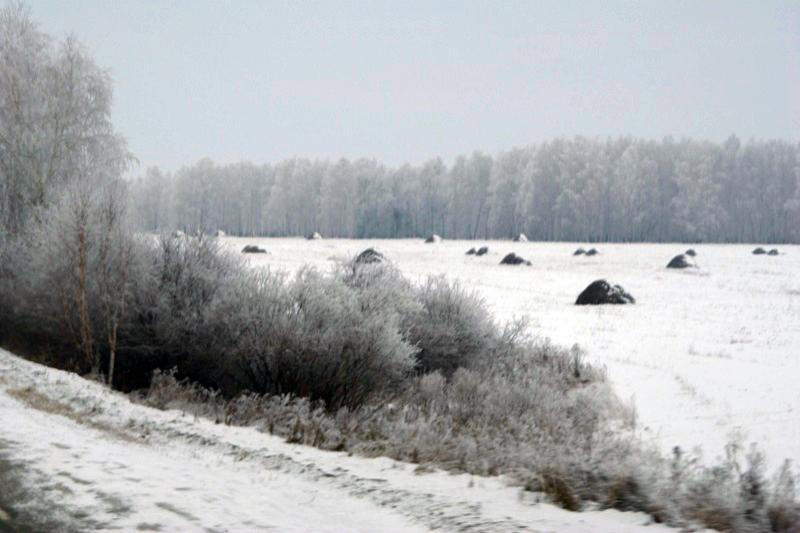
(703, 354)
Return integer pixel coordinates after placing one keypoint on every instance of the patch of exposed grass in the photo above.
(36, 400)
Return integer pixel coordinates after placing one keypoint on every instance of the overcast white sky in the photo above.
(405, 81)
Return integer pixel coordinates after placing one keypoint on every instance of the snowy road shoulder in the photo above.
(111, 464)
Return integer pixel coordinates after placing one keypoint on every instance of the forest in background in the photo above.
(580, 189)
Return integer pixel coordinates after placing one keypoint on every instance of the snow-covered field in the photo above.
(94, 461)
(704, 354)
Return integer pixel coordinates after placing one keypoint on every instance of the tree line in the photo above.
(580, 189)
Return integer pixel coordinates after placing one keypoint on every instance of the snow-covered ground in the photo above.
(94, 461)
(704, 354)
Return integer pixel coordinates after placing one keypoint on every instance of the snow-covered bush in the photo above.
(174, 313)
(328, 344)
(202, 311)
(453, 329)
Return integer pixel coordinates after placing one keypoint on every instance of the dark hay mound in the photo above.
(313, 236)
(433, 238)
(579, 251)
(601, 292)
(514, 259)
(680, 261)
(690, 252)
(521, 238)
(759, 251)
(370, 256)
(471, 251)
(591, 251)
(253, 249)
(774, 251)
(483, 250)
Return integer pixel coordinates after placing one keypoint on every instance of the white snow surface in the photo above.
(706, 354)
(127, 467)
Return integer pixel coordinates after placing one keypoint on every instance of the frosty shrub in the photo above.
(177, 296)
(453, 329)
(783, 507)
(381, 287)
(219, 323)
(329, 343)
(449, 324)
(732, 493)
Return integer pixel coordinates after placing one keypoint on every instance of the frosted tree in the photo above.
(55, 108)
(505, 203)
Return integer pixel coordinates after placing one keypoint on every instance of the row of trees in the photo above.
(577, 189)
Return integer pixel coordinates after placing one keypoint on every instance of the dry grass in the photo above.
(36, 400)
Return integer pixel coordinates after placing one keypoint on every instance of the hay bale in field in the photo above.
(591, 251)
(602, 292)
(433, 238)
(370, 256)
(681, 261)
(521, 238)
(313, 236)
(219, 233)
(774, 251)
(514, 259)
(483, 250)
(690, 252)
(579, 251)
(253, 249)
(759, 251)
(178, 234)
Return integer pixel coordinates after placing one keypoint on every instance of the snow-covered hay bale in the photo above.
(313, 236)
(253, 249)
(774, 251)
(370, 256)
(690, 252)
(521, 238)
(514, 259)
(219, 233)
(602, 292)
(591, 251)
(759, 251)
(472, 251)
(178, 234)
(483, 250)
(433, 238)
(681, 261)
(579, 251)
